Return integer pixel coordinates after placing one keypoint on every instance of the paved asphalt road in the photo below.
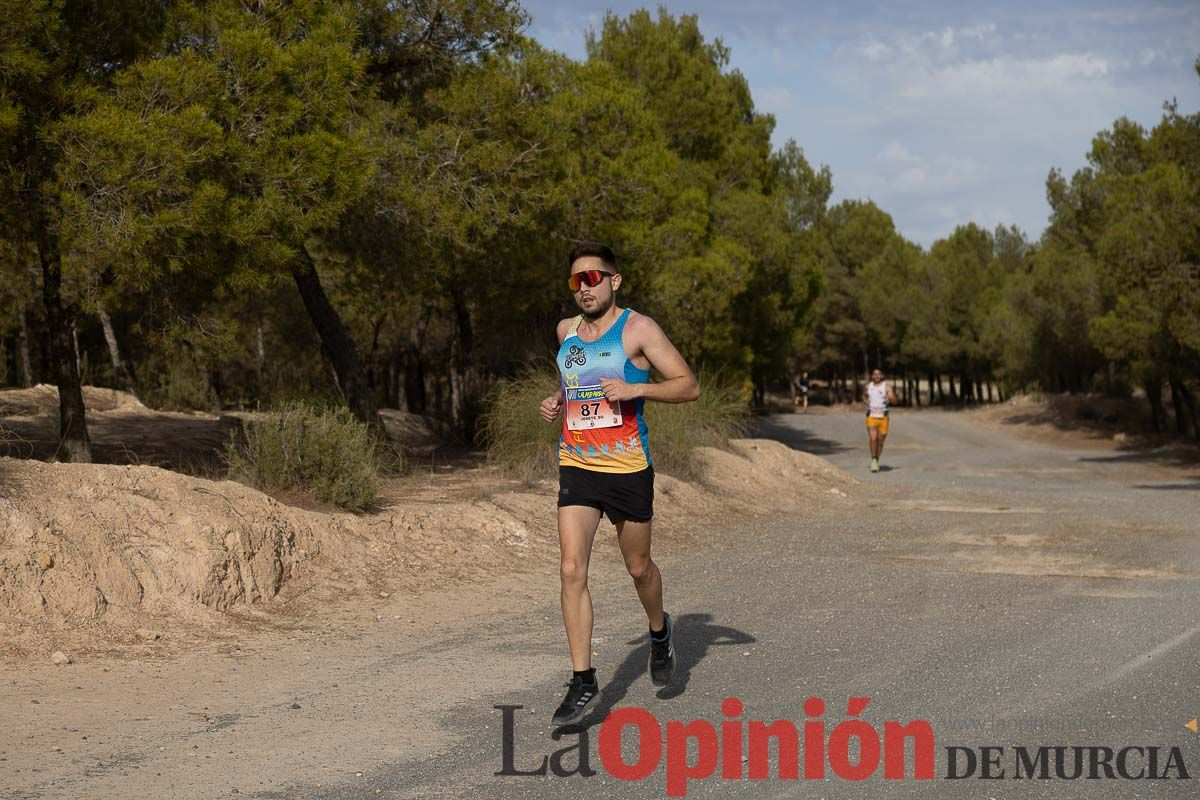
(1011, 593)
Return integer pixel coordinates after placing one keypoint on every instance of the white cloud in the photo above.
(875, 50)
(978, 32)
(894, 151)
(918, 174)
(930, 45)
(1006, 77)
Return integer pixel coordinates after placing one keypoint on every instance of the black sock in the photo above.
(660, 635)
(587, 675)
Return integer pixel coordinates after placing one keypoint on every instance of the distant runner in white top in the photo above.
(878, 395)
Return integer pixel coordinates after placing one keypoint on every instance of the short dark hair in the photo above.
(595, 250)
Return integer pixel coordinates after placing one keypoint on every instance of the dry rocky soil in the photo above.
(137, 560)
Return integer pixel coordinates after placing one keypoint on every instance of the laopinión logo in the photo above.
(852, 750)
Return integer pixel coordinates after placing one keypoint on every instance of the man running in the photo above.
(802, 388)
(604, 360)
(879, 394)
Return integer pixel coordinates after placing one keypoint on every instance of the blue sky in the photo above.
(941, 112)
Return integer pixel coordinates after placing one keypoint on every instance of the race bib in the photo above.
(587, 409)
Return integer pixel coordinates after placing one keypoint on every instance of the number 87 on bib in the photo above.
(588, 408)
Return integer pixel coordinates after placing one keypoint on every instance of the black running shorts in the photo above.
(620, 495)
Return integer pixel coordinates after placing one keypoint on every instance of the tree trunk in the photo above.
(260, 354)
(121, 370)
(372, 382)
(461, 350)
(390, 394)
(343, 354)
(439, 394)
(1154, 396)
(25, 377)
(78, 351)
(932, 400)
(1177, 404)
(74, 445)
(416, 399)
(1189, 400)
(327, 362)
(216, 382)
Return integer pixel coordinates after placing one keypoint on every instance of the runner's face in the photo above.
(876, 376)
(594, 301)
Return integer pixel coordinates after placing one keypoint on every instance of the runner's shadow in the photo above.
(694, 635)
(793, 437)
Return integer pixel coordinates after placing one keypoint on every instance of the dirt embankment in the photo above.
(91, 553)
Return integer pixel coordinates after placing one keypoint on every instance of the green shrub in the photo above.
(721, 413)
(325, 451)
(179, 384)
(526, 446)
(518, 440)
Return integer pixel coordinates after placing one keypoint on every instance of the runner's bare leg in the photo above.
(576, 532)
(634, 540)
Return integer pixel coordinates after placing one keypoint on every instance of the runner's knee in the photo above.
(640, 569)
(573, 572)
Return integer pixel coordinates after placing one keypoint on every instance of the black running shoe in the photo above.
(662, 656)
(580, 698)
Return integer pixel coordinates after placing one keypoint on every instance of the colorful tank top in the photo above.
(596, 434)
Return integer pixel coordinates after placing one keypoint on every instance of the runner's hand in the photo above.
(550, 407)
(615, 390)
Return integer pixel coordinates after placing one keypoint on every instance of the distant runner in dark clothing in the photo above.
(802, 389)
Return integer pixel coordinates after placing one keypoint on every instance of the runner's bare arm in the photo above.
(648, 340)
(553, 404)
